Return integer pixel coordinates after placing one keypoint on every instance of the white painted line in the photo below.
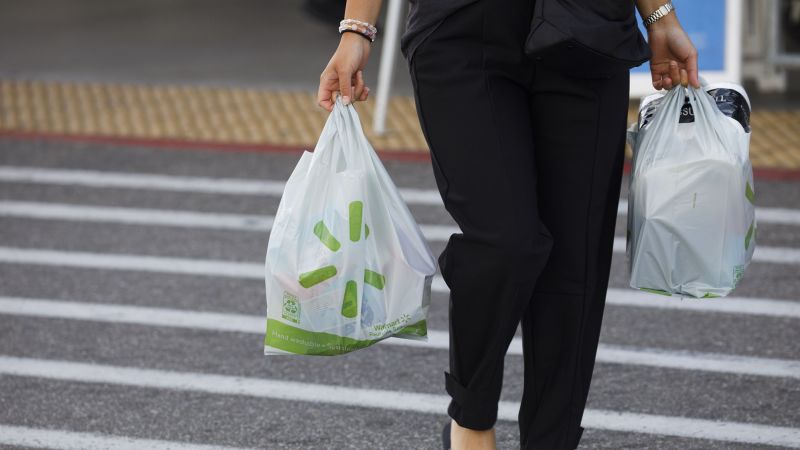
(191, 219)
(104, 179)
(217, 268)
(776, 255)
(782, 216)
(727, 305)
(163, 217)
(138, 216)
(619, 245)
(241, 186)
(223, 384)
(111, 261)
(199, 320)
(139, 315)
(690, 428)
(699, 361)
(73, 440)
(382, 399)
(415, 196)
(235, 186)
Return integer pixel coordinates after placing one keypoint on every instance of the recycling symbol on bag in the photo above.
(311, 278)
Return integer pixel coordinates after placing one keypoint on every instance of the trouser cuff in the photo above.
(476, 410)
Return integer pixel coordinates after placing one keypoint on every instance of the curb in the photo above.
(761, 173)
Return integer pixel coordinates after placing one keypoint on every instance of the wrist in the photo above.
(366, 29)
(354, 38)
(355, 35)
(658, 14)
(668, 21)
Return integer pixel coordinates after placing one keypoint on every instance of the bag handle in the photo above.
(664, 123)
(711, 121)
(351, 135)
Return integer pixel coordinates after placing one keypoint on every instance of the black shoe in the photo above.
(446, 436)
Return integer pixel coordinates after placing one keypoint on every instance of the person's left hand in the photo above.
(674, 56)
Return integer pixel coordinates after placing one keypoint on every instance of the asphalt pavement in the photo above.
(124, 320)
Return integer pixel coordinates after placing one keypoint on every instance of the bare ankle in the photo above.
(468, 439)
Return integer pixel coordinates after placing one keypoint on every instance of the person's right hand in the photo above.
(345, 72)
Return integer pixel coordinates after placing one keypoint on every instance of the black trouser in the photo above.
(529, 164)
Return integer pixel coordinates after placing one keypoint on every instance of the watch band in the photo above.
(662, 11)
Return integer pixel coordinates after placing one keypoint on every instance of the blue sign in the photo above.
(704, 21)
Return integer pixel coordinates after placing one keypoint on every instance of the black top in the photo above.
(614, 20)
(423, 16)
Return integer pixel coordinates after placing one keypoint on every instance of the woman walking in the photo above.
(527, 153)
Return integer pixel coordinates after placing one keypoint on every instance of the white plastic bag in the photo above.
(346, 264)
(691, 214)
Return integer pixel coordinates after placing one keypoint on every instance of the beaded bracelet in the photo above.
(367, 25)
(366, 29)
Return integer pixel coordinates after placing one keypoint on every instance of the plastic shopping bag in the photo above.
(691, 214)
(346, 264)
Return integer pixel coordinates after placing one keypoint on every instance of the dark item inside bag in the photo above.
(729, 99)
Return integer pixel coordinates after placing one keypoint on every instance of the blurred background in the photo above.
(144, 147)
(245, 71)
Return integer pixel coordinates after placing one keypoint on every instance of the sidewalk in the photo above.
(261, 119)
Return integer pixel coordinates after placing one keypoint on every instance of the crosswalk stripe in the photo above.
(162, 217)
(192, 219)
(242, 186)
(73, 440)
(727, 305)
(762, 253)
(235, 186)
(217, 268)
(201, 320)
(112, 261)
(382, 399)
(692, 428)
(138, 216)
